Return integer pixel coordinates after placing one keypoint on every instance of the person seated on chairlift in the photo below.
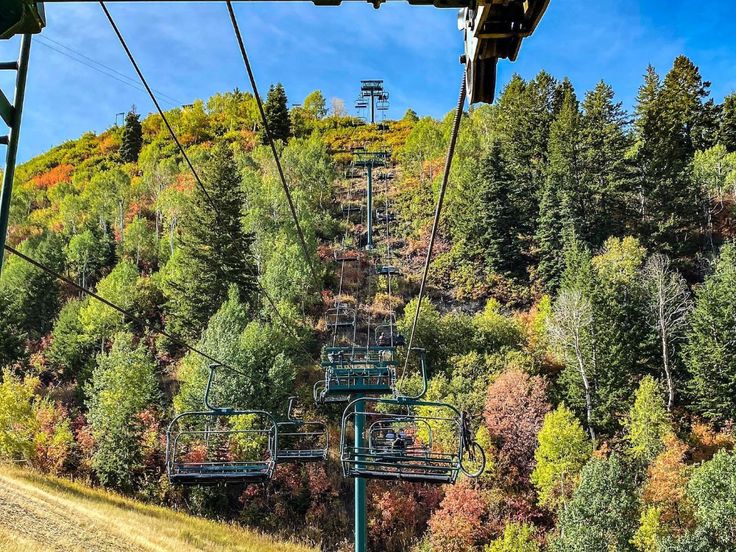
(400, 441)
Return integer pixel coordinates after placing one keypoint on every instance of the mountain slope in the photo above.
(47, 513)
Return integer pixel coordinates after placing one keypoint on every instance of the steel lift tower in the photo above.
(373, 96)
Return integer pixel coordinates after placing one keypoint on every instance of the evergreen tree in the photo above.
(727, 131)
(602, 514)
(710, 351)
(277, 114)
(564, 204)
(214, 250)
(132, 140)
(673, 120)
(498, 220)
(605, 171)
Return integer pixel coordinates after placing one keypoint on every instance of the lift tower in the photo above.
(369, 160)
(372, 94)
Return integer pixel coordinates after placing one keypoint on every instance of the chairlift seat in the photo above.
(387, 270)
(201, 474)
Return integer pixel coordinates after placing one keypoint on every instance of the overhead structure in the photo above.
(373, 96)
(406, 438)
(301, 440)
(221, 445)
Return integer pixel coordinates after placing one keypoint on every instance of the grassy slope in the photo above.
(41, 513)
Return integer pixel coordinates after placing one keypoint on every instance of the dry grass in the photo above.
(42, 513)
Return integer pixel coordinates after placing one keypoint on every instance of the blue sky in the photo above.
(187, 51)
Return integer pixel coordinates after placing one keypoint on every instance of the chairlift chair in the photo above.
(350, 370)
(221, 445)
(387, 334)
(408, 439)
(300, 440)
(340, 317)
(387, 270)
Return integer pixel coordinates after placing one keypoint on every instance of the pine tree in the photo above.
(710, 351)
(564, 203)
(606, 175)
(132, 141)
(673, 120)
(497, 233)
(214, 250)
(277, 114)
(727, 131)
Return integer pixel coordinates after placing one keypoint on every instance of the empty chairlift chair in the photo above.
(221, 445)
(407, 439)
(300, 440)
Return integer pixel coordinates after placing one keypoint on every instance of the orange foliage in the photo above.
(706, 441)
(60, 173)
(399, 514)
(667, 478)
(109, 144)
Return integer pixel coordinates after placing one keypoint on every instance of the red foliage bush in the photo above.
(460, 523)
(399, 513)
(514, 411)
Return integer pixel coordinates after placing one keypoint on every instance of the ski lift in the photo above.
(350, 370)
(383, 217)
(408, 439)
(340, 317)
(300, 440)
(220, 445)
(387, 270)
(347, 255)
(387, 334)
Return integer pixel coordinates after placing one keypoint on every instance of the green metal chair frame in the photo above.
(350, 370)
(212, 427)
(308, 441)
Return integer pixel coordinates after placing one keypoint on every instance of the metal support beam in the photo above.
(361, 517)
(369, 207)
(13, 137)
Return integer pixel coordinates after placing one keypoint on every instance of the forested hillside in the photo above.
(582, 309)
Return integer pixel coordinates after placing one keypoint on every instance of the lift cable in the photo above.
(100, 67)
(271, 142)
(173, 135)
(158, 107)
(121, 310)
(437, 213)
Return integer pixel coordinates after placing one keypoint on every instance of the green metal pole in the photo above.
(373, 108)
(369, 207)
(13, 137)
(361, 517)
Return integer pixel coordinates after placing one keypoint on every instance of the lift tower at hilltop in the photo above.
(372, 95)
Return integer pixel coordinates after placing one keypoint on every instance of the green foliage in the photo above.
(98, 320)
(648, 422)
(563, 450)
(651, 531)
(517, 537)
(727, 132)
(85, 255)
(70, 351)
(712, 489)
(315, 105)
(132, 141)
(17, 420)
(710, 351)
(214, 250)
(277, 114)
(601, 515)
(123, 385)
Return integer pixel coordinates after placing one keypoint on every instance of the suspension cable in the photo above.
(121, 310)
(173, 135)
(437, 214)
(158, 106)
(271, 143)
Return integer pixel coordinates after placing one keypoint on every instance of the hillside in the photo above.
(44, 513)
